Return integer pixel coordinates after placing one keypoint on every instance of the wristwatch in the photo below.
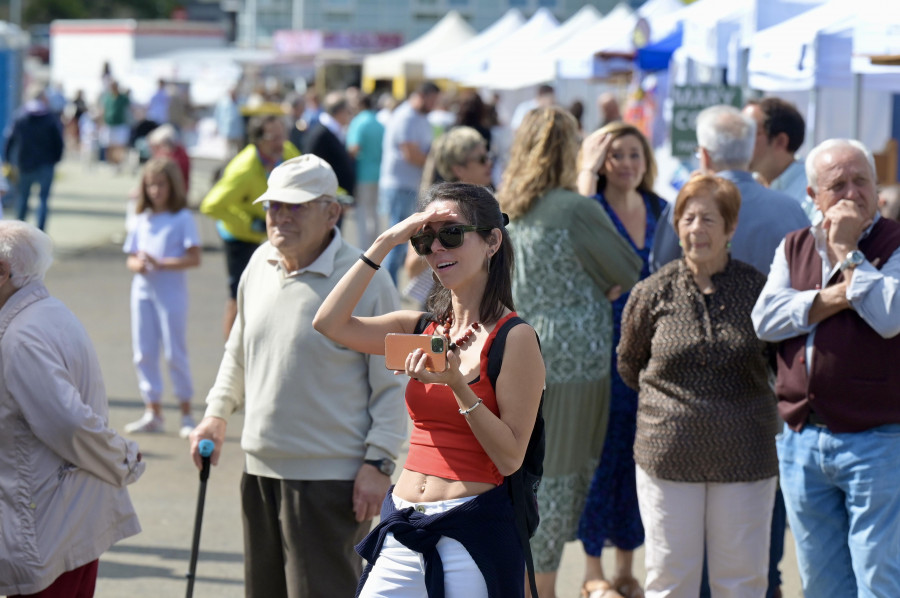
(385, 466)
(853, 259)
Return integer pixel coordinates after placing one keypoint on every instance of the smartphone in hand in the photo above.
(397, 348)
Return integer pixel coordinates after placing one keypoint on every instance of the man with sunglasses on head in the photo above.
(322, 424)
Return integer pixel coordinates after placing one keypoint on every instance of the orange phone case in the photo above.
(397, 348)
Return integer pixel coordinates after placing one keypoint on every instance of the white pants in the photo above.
(159, 321)
(400, 572)
(732, 519)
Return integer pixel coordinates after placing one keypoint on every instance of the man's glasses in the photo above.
(294, 208)
(450, 237)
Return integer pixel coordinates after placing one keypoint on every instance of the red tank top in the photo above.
(442, 443)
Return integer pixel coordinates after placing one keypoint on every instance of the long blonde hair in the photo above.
(543, 156)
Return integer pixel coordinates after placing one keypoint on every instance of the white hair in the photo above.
(163, 134)
(27, 251)
(812, 176)
(727, 135)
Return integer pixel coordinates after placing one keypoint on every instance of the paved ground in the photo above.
(86, 222)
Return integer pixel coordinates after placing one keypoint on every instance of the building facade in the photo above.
(259, 19)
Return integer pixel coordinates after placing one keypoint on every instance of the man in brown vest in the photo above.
(831, 303)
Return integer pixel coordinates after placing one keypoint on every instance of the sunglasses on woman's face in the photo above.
(450, 237)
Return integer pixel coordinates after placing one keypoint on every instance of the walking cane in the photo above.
(206, 449)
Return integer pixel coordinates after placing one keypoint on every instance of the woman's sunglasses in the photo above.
(450, 237)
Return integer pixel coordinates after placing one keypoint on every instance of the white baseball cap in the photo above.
(300, 180)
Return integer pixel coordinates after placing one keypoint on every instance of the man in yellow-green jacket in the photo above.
(241, 224)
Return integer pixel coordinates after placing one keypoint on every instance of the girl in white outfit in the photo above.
(163, 243)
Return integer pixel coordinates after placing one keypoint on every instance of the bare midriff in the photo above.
(413, 486)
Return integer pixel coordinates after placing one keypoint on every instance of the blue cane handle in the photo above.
(206, 447)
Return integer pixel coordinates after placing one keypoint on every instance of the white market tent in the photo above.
(512, 48)
(211, 72)
(407, 62)
(469, 57)
(525, 65)
(810, 55)
(574, 59)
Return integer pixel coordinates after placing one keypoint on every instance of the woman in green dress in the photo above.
(570, 257)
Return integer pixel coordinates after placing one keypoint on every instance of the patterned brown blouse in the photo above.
(706, 412)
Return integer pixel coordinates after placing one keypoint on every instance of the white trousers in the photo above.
(159, 323)
(400, 572)
(732, 519)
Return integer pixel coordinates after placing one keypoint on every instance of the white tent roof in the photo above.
(527, 66)
(513, 47)
(456, 62)
(877, 33)
(574, 59)
(449, 32)
(814, 50)
(709, 26)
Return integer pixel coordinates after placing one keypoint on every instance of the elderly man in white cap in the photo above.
(322, 424)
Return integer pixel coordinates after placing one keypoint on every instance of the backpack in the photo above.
(523, 484)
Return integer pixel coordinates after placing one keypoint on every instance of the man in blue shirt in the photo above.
(364, 142)
(780, 130)
(726, 138)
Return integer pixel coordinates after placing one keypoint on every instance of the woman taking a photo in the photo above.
(468, 433)
(569, 256)
(618, 169)
(706, 465)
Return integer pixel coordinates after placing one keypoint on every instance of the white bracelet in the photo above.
(466, 412)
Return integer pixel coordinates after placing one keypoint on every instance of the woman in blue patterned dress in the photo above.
(617, 169)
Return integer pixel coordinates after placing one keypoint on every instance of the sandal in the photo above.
(628, 587)
(598, 588)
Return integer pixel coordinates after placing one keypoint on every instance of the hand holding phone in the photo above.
(397, 348)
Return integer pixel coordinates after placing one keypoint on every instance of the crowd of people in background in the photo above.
(673, 334)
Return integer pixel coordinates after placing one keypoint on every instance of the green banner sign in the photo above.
(687, 102)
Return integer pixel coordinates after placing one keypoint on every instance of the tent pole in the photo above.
(855, 105)
(811, 117)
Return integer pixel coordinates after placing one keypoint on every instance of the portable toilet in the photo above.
(13, 45)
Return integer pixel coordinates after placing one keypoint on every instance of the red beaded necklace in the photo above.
(466, 336)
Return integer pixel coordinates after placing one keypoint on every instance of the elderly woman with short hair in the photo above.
(705, 454)
(458, 156)
(63, 471)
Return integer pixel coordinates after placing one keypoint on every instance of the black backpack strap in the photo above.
(424, 320)
(495, 353)
(495, 361)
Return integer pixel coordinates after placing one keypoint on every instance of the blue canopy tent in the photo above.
(655, 57)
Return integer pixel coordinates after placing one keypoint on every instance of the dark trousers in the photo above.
(77, 583)
(299, 538)
(43, 177)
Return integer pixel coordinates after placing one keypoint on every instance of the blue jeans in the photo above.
(400, 204)
(842, 494)
(43, 176)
